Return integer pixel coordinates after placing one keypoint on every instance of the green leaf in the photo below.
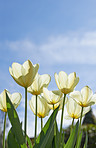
(79, 139)
(72, 139)
(29, 142)
(23, 146)
(11, 140)
(45, 138)
(63, 143)
(86, 140)
(15, 122)
(55, 137)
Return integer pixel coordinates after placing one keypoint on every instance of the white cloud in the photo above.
(71, 48)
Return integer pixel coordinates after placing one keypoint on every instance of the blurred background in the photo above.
(59, 35)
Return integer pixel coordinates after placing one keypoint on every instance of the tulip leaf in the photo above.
(23, 146)
(63, 143)
(72, 139)
(45, 138)
(86, 140)
(15, 122)
(79, 139)
(12, 140)
(29, 142)
(56, 136)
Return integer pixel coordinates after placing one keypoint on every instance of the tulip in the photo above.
(66, 84)
(15, 99)
(42, 107)
(24, 75)
(40, 81)
(52, 97)
(84, 98)
(74, 110)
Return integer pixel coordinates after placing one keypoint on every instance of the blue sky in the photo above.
(59, 35)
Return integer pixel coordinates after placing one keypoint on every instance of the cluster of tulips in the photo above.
(78, 103)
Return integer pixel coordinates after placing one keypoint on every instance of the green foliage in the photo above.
(16, 137)
(16, 132)
(86, 140)
(12, 140)
(79, 139)
(46, 136)
(72, 139)
(29, 142)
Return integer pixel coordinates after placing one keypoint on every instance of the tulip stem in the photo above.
(25, 126)
(81, 117)
(41, 123)
(62, 120)
(54, 130)
(4, 130)
(72, 125)
(36, 121)
(79, 127)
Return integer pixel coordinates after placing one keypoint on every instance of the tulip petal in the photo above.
(57, 80)
(75, 83)
(3, 106)
(76, 96)
(44, 80)
(71, 79)
(67, 117)
(16, 68)
(63, 79)
(86, 110)
(16, 98)
(94, 98)
(87, 94)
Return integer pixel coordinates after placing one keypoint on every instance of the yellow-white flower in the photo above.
(40, 81)
(60, 104)
(66, 83)
(24, 74)
(74, 110)
(15, 99)
(42, 106)
(84, 98)
(52, 97)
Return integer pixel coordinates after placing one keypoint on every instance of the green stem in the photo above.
(62, 120)
(72, 125)
(62, 139)
(4, 130)
(25, 125)
(41, 123)
(54, 130)
(79, 127)
(36, 121)
(81, 117)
